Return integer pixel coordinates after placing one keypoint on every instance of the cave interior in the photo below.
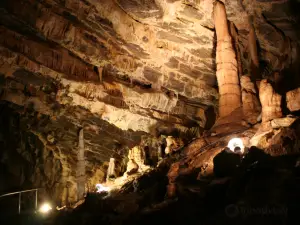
(150, 111)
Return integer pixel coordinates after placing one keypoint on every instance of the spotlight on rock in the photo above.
(236, 145)
(100, 188)
(45, 208)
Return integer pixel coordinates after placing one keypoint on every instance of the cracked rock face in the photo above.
(125, 69)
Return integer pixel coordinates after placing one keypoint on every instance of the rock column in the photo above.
(227, 72)
(111, 169)
(80, 173)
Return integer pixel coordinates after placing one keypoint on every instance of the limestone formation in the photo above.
(137, 156)
(132, 167)
(124, 70)
(80, 174)
(111, 169)
(169, 143)
(173, 144)
(293, 100)
(278, 137)
(282, 122)
(270, 102)
(227, 72)
(251, 105)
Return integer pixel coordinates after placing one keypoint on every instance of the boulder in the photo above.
(282, 122)
(293, 100)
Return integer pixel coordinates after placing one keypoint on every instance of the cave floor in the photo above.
(264, 190)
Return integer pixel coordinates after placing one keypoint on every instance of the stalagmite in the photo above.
(227, 72)
(132, 167)
(270, 102)
(173, 144)
(111, 169)
(169, 141)
(251, 105)
(137, 157)
(80, 173)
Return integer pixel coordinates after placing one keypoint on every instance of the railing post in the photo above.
(20, 203)
(20, 197)
(36, 199)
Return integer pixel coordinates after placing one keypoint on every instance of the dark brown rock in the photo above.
(151, 75)
(172, 37)
(173, 63)
(175, 84)
(202, 53)
(185, 69)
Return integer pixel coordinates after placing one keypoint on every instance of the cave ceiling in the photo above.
(126, 68)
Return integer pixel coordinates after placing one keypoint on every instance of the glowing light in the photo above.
(100, 188)
(236, 142)
(45, 208)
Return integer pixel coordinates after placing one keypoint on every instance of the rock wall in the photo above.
(31, 159)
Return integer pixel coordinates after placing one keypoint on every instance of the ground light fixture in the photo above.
(45, 208)
(236, 143)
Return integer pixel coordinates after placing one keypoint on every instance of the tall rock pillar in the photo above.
(80, 173)
(111, 169)
(227, 70)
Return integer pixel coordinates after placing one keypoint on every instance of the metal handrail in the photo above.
(20, 193)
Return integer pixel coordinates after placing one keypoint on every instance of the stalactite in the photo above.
(252, 46)
(80, 173)
(235, 36)
(227, 72)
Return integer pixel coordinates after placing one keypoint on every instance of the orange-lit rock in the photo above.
(251, 105)
(293, 100)
(127, 69)
(173, 144)
(270, 102)
(227, 72)
(137, 157)
(278, 137)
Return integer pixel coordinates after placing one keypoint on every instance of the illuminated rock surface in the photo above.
(139, 77)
